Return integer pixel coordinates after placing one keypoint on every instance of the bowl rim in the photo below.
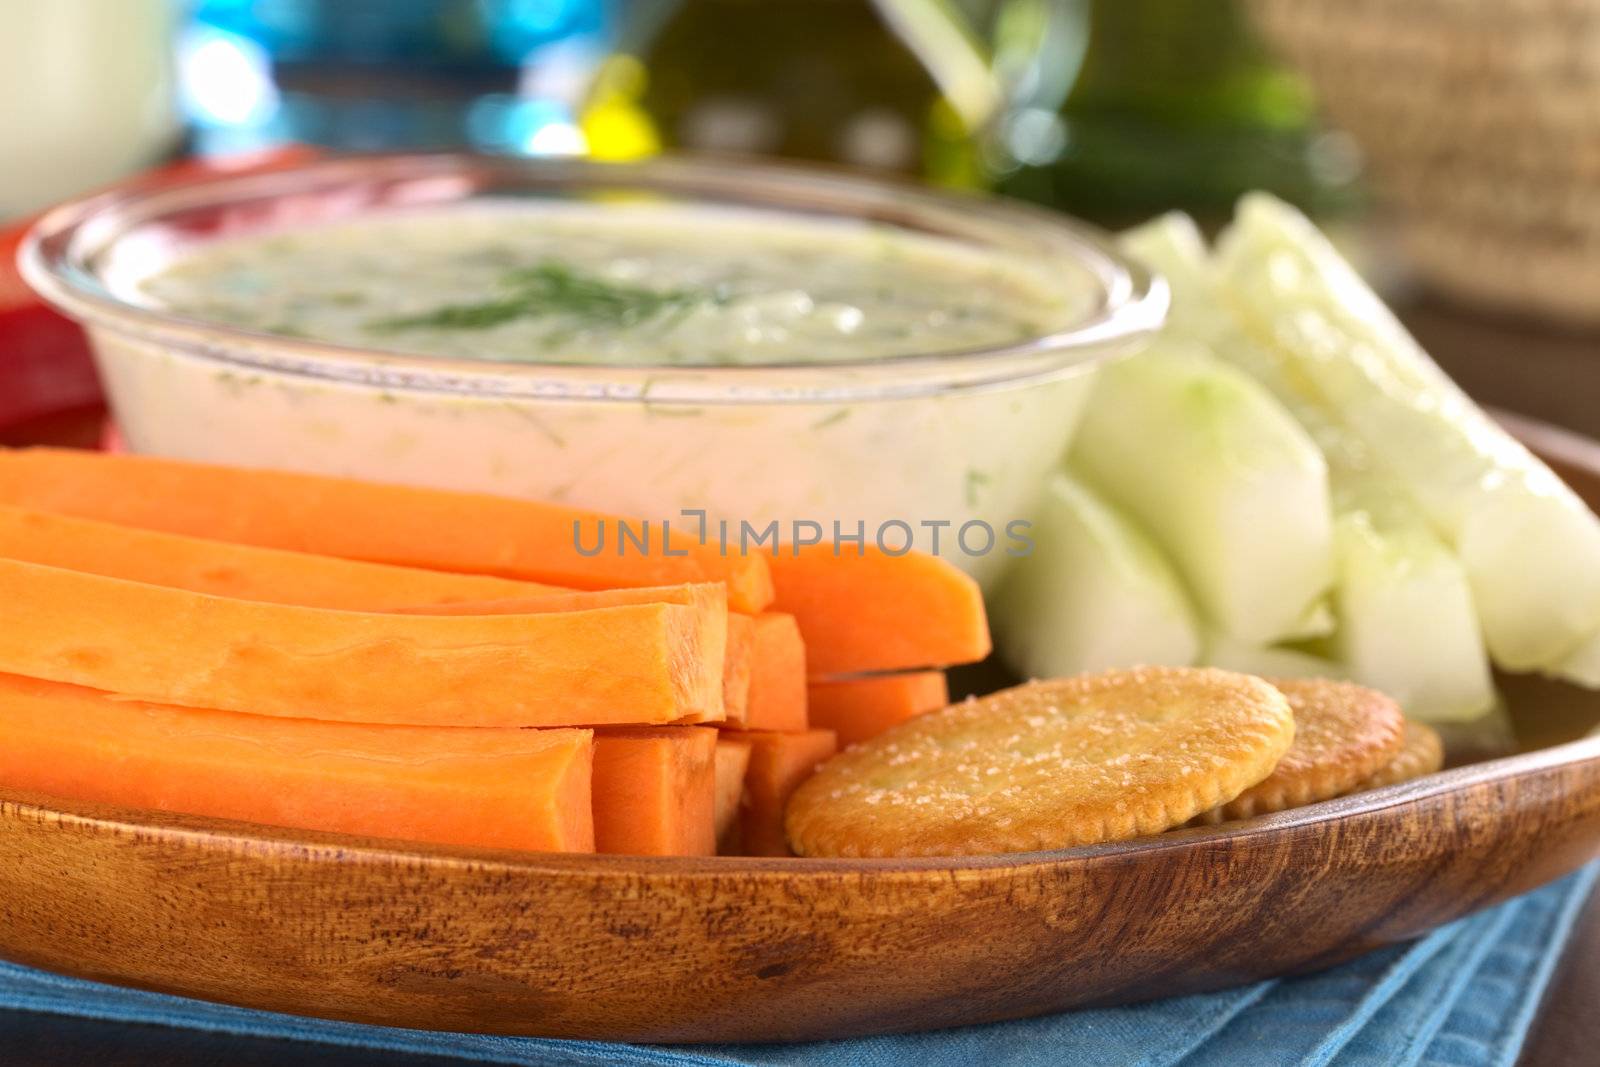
(59, 253)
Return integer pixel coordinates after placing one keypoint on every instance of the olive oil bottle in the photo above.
(898, 86)
(1151, 105)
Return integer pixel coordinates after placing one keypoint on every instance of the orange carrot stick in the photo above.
(522, 789)
(275, 576)
(737, 665)
(645, 663)
(246, 572)
(782, 700)
(733, 761)
(705, 597)
(436, 529)
(858, 708)
(870, 611)
(777, 675)
(655, 791)
(778, 764)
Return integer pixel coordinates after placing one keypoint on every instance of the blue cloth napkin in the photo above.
(1463, 996)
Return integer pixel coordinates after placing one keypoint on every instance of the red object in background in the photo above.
(45, 366)
(111, 437)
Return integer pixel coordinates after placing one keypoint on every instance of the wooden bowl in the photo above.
(676, 950)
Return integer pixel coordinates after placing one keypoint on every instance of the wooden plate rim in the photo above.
(244, 838)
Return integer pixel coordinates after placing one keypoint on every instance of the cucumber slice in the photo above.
(1407, 621)
(1173, 245)
(1272, 661)
(1582, 665)
(1318, 621)
(1094, 594)
(1223, 479)
(1529, 547)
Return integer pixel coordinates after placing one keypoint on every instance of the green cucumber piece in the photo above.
(1529, 547)
(1094, 594)
(1271, 661)
(1223, 479)
(1407, 622)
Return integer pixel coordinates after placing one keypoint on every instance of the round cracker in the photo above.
(1422, 752)
(1343, 734)
(1050, 764)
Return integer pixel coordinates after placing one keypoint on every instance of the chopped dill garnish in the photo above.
(478, 316)
(553, 288)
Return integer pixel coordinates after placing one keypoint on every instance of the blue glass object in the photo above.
(495, 75)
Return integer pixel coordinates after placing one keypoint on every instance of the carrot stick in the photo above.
(246, 572)
(858, 708)
(522, 789)
(275, 576)
(870, 611)
(733, 760)
(705, 596)
(737, 666)
(645, 663)
(781, 650)
(655, 791)
(777, 675)
(779, 762)
(436, 529)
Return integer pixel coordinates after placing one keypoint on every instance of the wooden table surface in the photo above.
(1535, 371)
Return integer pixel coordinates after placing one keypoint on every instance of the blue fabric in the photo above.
(1464, 996)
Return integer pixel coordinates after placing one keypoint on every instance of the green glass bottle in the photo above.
(1167, 104)
(899, 86)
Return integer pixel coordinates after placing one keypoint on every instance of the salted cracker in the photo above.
(1422, 752)
(1343, 734)
(1049, 764)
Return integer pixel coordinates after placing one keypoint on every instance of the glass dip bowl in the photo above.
(950, 447)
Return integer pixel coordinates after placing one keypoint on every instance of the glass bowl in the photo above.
(913, 447)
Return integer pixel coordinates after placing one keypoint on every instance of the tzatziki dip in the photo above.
(832, 368)
(617, 286)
